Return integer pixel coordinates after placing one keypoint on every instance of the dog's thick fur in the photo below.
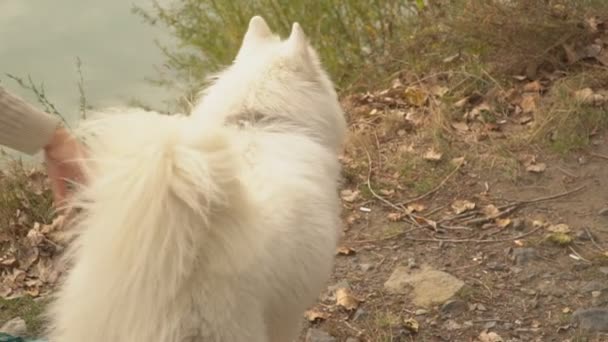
(219, 226)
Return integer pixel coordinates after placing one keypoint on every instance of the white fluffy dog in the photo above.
(219, 226)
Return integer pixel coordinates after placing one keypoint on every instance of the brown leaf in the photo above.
(315, 316)
(415, 207)
(411, 325)
(415, 96)
(348, 195)
(343, 250)
(503, 223)
(394, 217)
(533, 87)
(432, 155)
(460, 206)
(460, 126)
(528, 104)
(490, 337)
(537, 168)
(490, 210)
(346, 299)
(559, 228)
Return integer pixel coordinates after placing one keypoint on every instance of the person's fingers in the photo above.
(58, 186)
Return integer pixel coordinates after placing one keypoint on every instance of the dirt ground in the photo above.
(524, 274)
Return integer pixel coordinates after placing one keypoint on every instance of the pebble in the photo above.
(318, 335)
(15, 327)
(592, 320)
(523, 256)
(454, 307)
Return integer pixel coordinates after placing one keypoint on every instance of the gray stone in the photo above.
(454, 307)
(366, 267)
(317, 335)
(426, 285)
(15, 327)
(523, 256)
(594, 285)
(592, 320)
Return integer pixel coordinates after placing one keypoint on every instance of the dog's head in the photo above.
(281, 79)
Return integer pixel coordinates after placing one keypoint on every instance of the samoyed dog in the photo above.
(217, 226)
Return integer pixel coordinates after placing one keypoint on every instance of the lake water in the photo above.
(43, 39)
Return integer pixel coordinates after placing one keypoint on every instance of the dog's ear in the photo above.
(257, 32)
(297, 43)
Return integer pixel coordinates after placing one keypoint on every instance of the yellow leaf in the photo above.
(490, 210)
(432, 155)
(415, 96)
(343, 250)
(460, 206)
(315, 316)
(412, 325)
(503, 223)
(345, 299)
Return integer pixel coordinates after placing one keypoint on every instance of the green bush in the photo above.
(347, 33)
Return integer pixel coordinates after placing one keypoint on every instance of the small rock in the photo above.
(454, 307)
(481, 307)
(411, 263)
(596, 294)
(583, 235)
(523, 256)
(594, 285)
(518, 224)
(451, 325)
(15, 327)
(592, 320)
(317, 335)
(366, 267)
(430, 286)
(353, 339)
(603, 211)
(421, 312)
(604, 270)
(489, 325)
(359, 314)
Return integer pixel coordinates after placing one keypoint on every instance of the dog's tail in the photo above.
(155, 184)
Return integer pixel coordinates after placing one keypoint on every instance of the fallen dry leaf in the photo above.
(411, 325)
(460, 126)
(346, 299)
(415, 96)
(315, 316)
(533, 87)
(490, 210)
(460, 206)
(349, 195)
(432, 155)
(503, 223)
(528, 104)
(537, 168)
(415, 207)
(343, 250)
(559, 228)
(490, 337)
(394, 217)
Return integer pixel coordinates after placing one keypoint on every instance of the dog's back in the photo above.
(201, 229)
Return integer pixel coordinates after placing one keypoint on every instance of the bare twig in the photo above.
(578, 255)
(552, 197)
(598, 155)
(521, 236)
(594, 242)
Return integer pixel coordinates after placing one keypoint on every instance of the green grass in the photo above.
(27, 308)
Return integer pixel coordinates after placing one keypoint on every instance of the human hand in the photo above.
(62, 156)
